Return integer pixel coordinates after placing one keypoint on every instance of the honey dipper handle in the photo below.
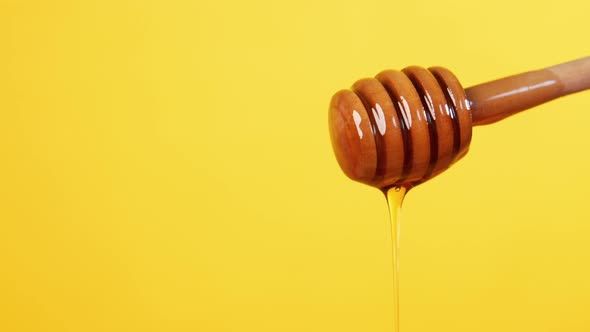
(496, 100)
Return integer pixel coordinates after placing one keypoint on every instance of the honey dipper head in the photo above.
(401, 127)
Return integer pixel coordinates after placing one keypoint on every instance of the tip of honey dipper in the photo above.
(352, 137)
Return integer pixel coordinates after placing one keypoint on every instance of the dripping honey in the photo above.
(395, 197)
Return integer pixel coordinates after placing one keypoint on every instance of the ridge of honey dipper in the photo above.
(402, 128)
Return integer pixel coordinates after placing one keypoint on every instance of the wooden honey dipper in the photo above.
(402, 128)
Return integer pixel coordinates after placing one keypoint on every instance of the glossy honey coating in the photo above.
(401, 127)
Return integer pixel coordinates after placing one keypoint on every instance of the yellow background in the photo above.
(166, 166)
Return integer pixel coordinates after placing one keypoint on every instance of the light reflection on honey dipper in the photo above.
(402, 128)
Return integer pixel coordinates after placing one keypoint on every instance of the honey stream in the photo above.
(395, 197)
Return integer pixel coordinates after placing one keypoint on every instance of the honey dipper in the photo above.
(402, 128)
